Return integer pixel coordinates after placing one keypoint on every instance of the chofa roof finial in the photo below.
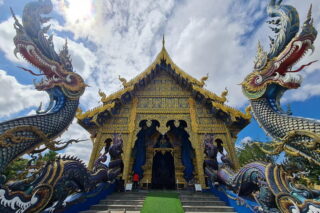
(163, 41)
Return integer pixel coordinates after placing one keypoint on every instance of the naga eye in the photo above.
(258, 79)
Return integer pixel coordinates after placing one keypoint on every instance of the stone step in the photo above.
(109, 211)
(124, 202)
(116, 207)
(118, 197)
(207, 212)
(208, 209)
(196, 195)
(203, 203)
(199, 199)
(130, 193)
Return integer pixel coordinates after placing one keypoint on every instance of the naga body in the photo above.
(273, 75)
(50, 186)
(272, 187)
(58, 179)
(64, 86)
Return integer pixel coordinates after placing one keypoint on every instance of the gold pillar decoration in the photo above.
(130, 143)
(195, 140)
(94, 150)
(232, 150)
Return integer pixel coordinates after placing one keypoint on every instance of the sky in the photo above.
(123, 37)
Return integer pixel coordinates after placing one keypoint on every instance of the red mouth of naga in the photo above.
(32, 55)
(297, 51)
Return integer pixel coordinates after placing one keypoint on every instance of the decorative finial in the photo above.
(163, 41)
(123, 81)
(204, 79)
(261, 58)
(309, 16)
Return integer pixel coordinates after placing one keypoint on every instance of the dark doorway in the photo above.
(163, 173)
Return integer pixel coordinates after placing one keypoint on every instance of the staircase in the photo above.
(202, 202)
(126, 202)
(132, 202)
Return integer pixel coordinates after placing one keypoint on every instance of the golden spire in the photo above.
(163, 41)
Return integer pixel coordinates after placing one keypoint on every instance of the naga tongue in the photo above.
(30, 71)
(303, 66)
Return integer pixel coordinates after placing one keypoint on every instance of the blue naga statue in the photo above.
(273, 187)
(66, 175)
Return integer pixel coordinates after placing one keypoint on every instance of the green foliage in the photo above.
(49, 156)
(300, 164)
(251, 152)
(16, 169)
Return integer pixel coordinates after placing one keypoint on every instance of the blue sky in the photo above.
(122, 37)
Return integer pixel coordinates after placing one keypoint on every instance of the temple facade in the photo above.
(163, 115)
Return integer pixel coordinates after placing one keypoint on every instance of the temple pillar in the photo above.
(232, 151)
(195, 141)
(95, 149)
(131, 139)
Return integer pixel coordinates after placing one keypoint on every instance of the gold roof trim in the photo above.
(118, 94)
(129, 86)
(210, 95)
(94, 111)
(234, 113)
(163, 55)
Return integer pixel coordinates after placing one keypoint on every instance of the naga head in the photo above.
(273, 70)
(35, 46)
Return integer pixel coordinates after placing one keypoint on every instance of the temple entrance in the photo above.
(163, 172)
(163, 161)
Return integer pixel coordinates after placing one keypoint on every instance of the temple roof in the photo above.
(112, 101)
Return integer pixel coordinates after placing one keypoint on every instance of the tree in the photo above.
(294, 164)
(16, 169)
(49, 156)
(19, 168)
(250, 152)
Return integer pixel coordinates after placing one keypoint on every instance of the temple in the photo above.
(163, 115)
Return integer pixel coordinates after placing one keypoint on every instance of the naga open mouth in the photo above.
(293, 53)
(54, 74)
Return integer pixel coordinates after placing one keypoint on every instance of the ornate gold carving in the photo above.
(208, 94)
(14, 139)
(94, 111)
(162, 99)
(275, 148)
(224, 94)
(102, 94)
(204, 79)
(232, 112)
(163, 55)
(193, 115)
(123, 81)
(130, 143)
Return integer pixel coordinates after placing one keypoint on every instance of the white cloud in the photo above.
(121, 37)
(82, 149)
(202, 37)
(303, 93)
(246, 139)
(15, 97)
(7, 33)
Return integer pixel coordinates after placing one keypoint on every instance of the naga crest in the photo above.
(273, 70)
(33, 43)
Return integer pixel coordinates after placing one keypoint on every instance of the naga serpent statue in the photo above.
(269, 185)
(65, 175)
(273, 75)
(22, 135)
